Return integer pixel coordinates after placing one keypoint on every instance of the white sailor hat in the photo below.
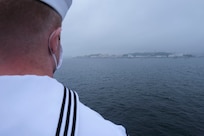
(61, 6)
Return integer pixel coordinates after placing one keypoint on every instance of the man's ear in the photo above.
(54, 40)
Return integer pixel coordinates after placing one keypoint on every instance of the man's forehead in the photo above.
(61, 6)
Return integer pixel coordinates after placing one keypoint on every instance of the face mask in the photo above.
(60, 58)
(58, 65)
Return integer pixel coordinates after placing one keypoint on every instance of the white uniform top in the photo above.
(41, 106)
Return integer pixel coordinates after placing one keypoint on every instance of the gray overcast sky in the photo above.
(125, 26)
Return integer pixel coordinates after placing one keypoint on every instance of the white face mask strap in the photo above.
(55, 60)
(53, 55)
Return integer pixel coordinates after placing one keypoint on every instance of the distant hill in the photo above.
(140, 55)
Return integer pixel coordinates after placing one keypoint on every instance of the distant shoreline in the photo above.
(141, 55)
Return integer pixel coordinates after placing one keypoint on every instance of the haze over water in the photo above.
(117, 27)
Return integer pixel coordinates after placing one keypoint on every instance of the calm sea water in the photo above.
(150, 97)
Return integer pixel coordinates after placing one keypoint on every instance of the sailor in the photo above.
(32, 102)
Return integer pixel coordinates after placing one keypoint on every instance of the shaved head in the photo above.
(25, 28)
(26, 21)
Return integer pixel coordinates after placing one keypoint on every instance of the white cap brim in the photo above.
(61, 6)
